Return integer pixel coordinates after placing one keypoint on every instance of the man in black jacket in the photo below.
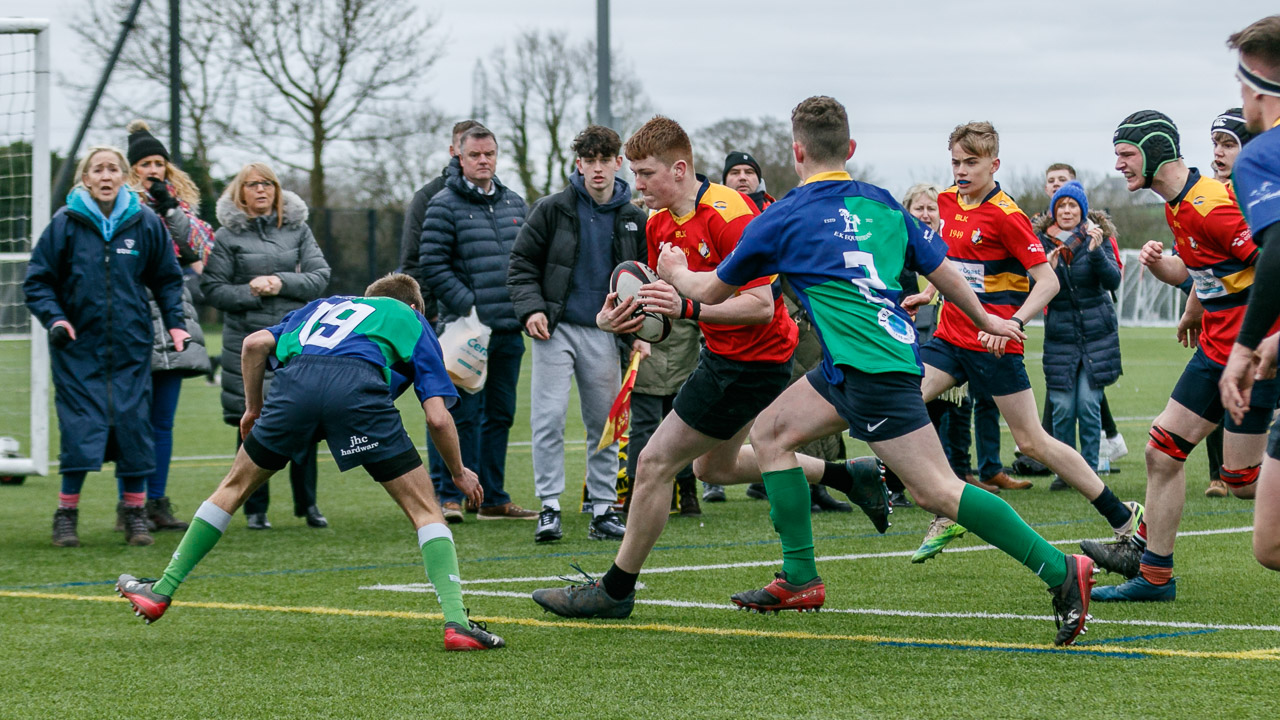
(411, 233)
(559, 277)
(467, 236)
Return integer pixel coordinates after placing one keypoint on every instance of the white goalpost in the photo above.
(25, 178)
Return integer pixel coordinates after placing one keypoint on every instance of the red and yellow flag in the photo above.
(620, 414)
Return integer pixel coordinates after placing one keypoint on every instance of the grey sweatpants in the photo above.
(591, 356)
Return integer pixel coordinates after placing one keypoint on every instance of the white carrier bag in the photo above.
(465, 345)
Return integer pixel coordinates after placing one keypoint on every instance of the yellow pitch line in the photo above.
(1263, 654)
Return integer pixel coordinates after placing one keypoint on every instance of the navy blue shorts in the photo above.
(344, 401)
(985, 373)
(877, 406)
(1197, 391)
(723, 395)
(1273, 442)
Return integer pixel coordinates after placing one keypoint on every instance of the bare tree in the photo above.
(321, 72)
(543, 90)
(766, 139)
(139, 86)
(388, 169)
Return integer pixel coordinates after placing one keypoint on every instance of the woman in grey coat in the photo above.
(265, 264)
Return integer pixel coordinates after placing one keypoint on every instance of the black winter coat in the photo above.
(546, 253)
(411, 232)
(466, 245)
(103, 377)
(246, 248)
(1081, 323)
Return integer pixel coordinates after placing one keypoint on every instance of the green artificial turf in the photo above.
(261, 656)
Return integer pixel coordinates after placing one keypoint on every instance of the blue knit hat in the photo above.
(1075, 191)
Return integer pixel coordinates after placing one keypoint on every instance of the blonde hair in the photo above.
(235, 189)
(978, 138)
(927, 189)
(82, 167)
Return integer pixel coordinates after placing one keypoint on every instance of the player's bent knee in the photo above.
(1170, 444)
(1242, 483)
(1266, 553)
(262, 456)
(389, 469)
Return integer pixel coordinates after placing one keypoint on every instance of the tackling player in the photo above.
(1214, 249)
(345, 361)
(745, 364)
(990, 241)
(842, 244)
(1257, 187)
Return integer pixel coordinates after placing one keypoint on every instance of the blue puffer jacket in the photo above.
(94, 272)
(1081, 324)
(466, 248)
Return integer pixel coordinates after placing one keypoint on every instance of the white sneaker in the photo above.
(1117, 447)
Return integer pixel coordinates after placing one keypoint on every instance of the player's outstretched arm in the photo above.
(998, 331)
(444, 435)
(1045, 288)
(705, 287)
(253, 364)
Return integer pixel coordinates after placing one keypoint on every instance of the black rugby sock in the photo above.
(835, 475)
(619, 583)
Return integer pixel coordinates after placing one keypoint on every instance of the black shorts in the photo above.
(1197, 390)
(723, 395)
(343, 400)
(1273, 442)
(985, 373)
(877, 406)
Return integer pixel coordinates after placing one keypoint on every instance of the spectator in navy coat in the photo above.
(87, 284)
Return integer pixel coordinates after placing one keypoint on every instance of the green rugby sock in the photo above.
(789, 510)
(206, 530)
(991, 519)
(440, 558)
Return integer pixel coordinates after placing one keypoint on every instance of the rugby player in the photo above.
(345, 360)
(990, 241)
(1256, 179)
(842, 245)
(1216, 251)
(745, 364)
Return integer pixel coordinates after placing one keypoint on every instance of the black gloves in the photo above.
(164, 202)
(59, 336)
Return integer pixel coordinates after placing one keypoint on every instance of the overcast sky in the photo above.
(1055, 78)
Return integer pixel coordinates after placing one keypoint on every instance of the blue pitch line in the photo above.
(553, 556)
(1049, 651)
(1153, 636)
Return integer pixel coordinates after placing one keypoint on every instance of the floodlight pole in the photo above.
(604, 114)
(175, 84)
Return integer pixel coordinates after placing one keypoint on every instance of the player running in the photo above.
(1257, 187)
(990, 241)
(745, 364)
(345, 360)
(1214, 248)
(842, 244)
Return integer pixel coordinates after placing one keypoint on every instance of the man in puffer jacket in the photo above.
(467, 237)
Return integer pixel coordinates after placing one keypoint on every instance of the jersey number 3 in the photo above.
(342, 318)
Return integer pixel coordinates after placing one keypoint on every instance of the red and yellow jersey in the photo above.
(707, 235)
(992, 246)
(1211, 237)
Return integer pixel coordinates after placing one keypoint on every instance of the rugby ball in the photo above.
(627, 280)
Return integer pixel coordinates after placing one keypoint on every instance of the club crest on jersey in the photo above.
(1192, 242)
(720, 205)
(976, 237)
(851, 221)
(703, 250)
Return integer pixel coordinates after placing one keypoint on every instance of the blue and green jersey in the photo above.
(382, 330)
(842, 244)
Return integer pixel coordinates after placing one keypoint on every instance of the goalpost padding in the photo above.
(25, 177)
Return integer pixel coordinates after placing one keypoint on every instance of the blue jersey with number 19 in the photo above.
(842, 245)
(382, 330)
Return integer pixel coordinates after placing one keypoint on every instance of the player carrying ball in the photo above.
(345, 360)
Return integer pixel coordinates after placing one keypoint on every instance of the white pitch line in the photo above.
(422, 588)
(824, 558)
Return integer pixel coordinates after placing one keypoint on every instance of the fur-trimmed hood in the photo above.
(1100, 218)
(230, 215)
